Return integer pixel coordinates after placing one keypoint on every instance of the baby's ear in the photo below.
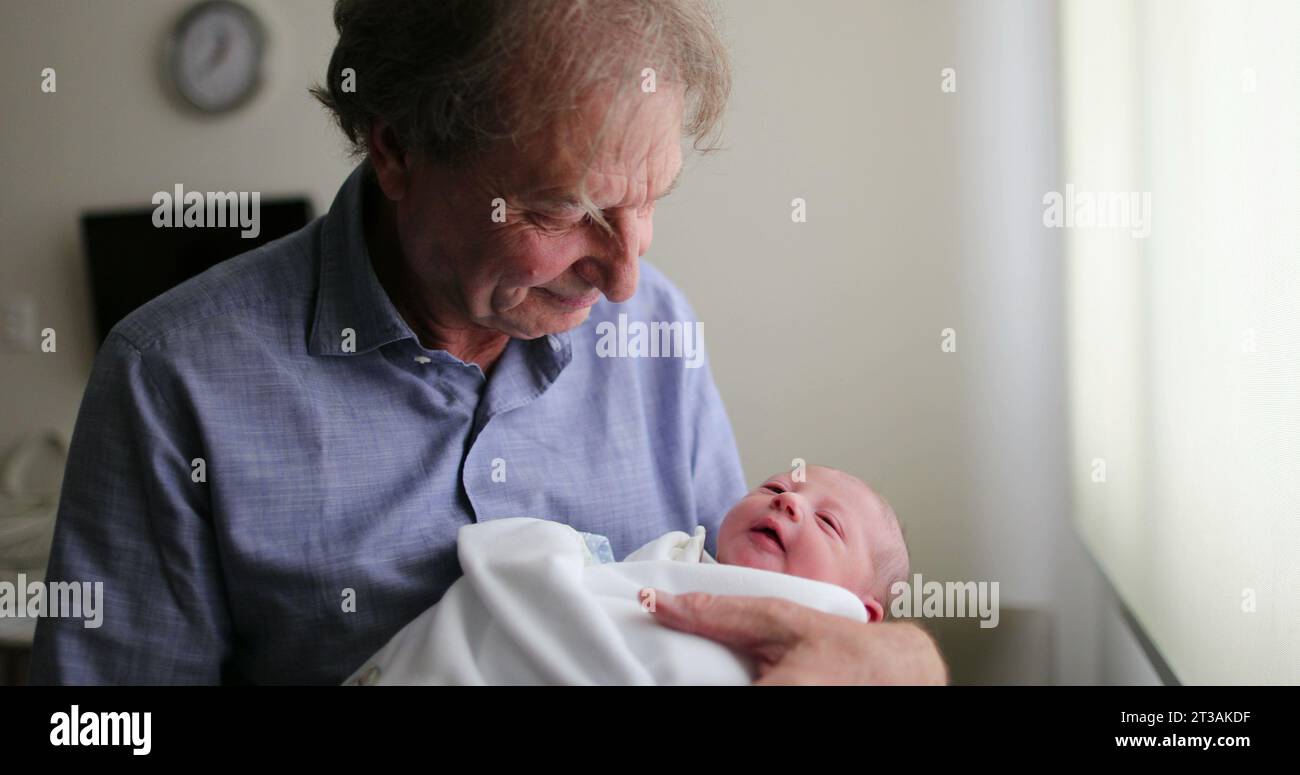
(875, 611)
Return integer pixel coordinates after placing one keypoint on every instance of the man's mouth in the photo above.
(580, 301)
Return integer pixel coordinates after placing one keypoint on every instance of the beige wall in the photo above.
(110, 137)
(923, 215)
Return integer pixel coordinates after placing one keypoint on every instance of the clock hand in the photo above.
(219, 53)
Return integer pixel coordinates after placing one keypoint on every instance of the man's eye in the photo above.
(559, 223)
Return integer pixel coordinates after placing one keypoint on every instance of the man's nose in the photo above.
(614, 266)
(787, 504)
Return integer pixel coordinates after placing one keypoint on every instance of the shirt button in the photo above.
(423, 359)
(555, 342)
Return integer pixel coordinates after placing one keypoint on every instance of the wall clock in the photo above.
(215, 54)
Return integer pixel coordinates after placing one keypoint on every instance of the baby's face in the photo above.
(820, 529)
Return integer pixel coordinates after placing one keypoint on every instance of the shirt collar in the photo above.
(349, 295)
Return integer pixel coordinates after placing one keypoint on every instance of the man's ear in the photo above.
(875, 611)
(391, 162)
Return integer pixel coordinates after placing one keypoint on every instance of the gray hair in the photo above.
(450, 77)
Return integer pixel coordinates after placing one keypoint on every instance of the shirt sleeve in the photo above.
(132, 517)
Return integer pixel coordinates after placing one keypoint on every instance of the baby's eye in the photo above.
(829, 523)
(773, 488)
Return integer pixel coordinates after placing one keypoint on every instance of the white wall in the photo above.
(1184, 347)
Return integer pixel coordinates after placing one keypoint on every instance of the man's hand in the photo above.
(794, 644)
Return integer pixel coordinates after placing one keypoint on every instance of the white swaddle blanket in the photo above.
(532, 608)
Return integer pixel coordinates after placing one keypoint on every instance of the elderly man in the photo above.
(272, 461)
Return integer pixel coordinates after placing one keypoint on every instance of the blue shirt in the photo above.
(332, 482)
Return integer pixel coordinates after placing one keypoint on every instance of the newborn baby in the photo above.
(541, 603)
(831, 528)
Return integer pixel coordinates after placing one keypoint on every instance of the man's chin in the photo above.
(544, 322)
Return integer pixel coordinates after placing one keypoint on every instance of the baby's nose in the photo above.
(784, 503)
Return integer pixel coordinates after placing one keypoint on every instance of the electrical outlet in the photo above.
(18, 324)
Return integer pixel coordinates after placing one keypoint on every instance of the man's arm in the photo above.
(793, 644)
(131, 516)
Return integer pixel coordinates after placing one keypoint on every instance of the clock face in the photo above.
(216, 55)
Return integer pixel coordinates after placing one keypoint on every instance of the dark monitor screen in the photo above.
(130, 260)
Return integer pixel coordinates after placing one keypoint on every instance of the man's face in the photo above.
(819, 529)
(540, 271)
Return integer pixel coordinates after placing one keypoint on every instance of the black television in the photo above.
(129, 260)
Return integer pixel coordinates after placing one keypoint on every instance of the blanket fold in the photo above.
(532, 608)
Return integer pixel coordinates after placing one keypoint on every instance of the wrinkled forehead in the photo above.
(636, 138)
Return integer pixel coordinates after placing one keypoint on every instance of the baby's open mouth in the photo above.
(769, 534)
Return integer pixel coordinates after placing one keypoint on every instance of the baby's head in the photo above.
(831, 527)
